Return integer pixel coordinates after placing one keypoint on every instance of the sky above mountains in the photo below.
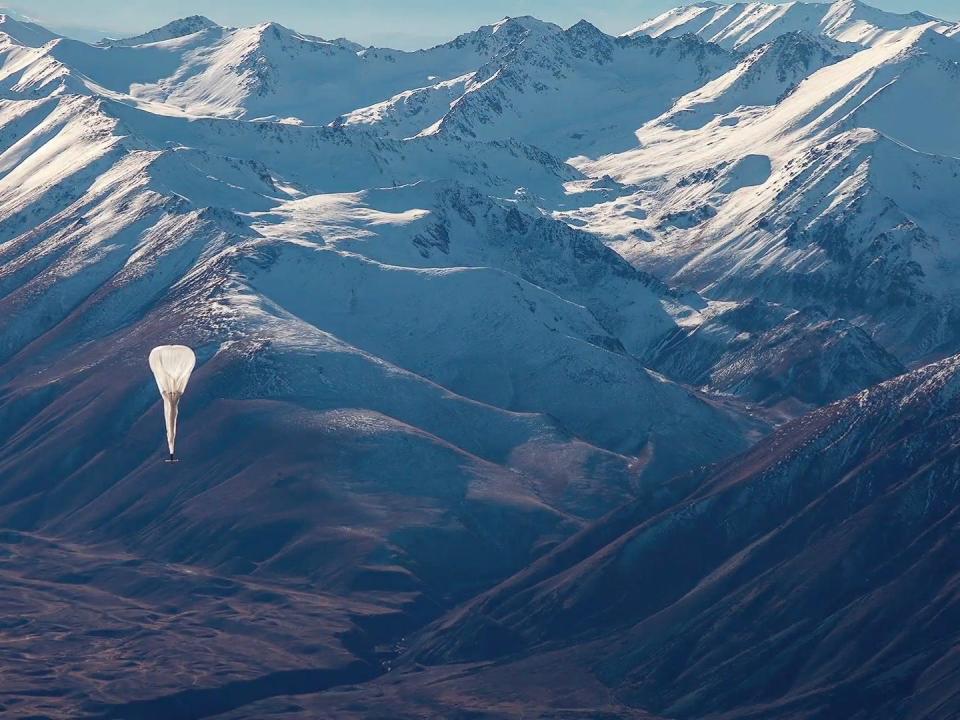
(407, 25)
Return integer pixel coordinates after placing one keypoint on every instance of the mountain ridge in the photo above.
(566, 596)
(744, 26)
(540, 351)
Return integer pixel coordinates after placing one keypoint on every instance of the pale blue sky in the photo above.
(398, 23)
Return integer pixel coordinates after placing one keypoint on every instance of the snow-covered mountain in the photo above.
(176, 29)
(535, 91)
(196, 67)
(744, 26)
(450, 308)
(833, 195)
(764, 77)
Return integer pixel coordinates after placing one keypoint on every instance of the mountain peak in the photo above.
(520, 25)
(274, 28)
(506, 32)
(271, 25)
(272, 36)
(173, 29)
(847, 10)
(192, 22)
(526, 22)
(746, 26)
(583, 32)
(584, 27)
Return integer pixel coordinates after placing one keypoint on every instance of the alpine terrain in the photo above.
(541, 373)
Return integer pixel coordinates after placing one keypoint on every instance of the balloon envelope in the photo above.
(172, 365)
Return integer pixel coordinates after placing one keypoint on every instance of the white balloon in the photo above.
(172, 365)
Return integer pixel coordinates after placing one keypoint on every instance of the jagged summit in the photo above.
(528, 23)
(744, 26)
(584, 27)
(846, 10)
(500, 36)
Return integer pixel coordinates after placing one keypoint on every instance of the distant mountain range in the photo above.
(548, 370)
